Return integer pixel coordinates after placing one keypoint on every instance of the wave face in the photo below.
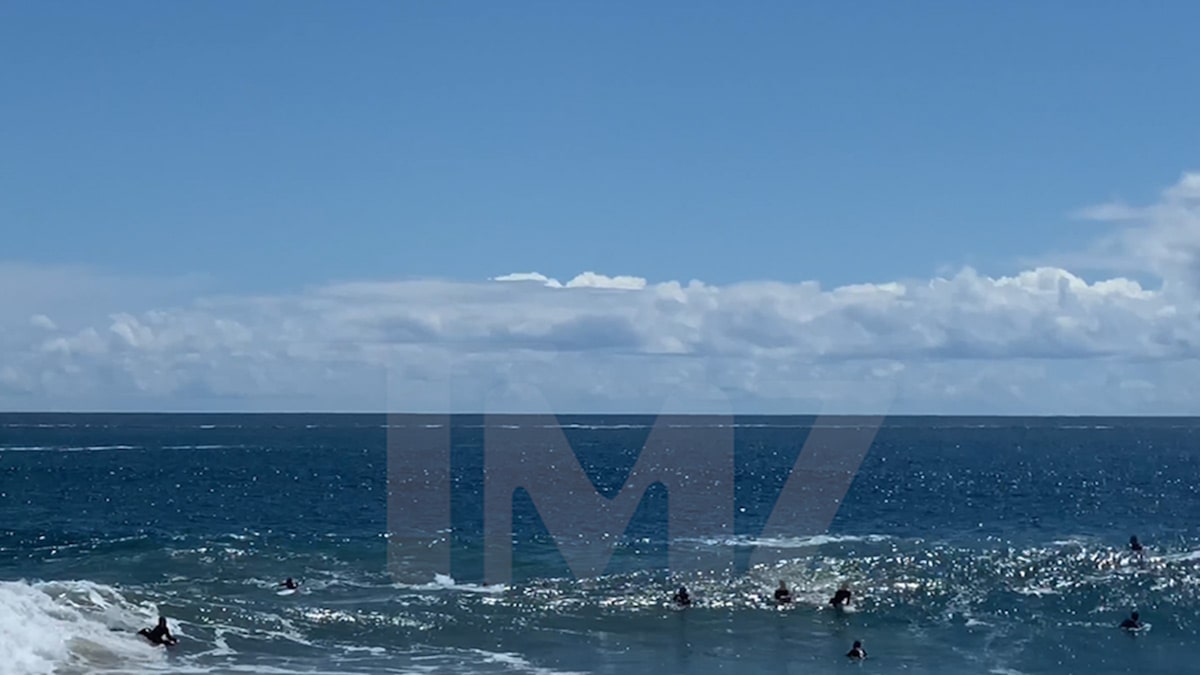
(972, 545)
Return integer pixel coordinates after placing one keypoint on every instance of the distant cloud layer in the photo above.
(1042, 340)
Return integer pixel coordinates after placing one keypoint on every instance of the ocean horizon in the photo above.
(643, 414)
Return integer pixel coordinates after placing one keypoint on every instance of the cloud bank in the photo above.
(1038, 341)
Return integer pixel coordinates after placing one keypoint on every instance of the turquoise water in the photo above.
(973, 545)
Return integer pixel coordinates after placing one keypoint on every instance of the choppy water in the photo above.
(975, 546)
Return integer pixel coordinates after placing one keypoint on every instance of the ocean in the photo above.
(972, 545)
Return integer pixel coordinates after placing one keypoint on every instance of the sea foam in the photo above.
(71, 627)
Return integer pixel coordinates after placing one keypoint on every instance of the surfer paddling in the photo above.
(782, 595)
(841, 599)
(682, 598)
(1132, 623)
(857, 652)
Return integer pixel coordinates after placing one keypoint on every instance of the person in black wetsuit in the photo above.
(681, 597)
(1132, 622)
(782, 594)
(857, 652)
(841, 598)
(290, 584)
(160, 634)
(1138, 551)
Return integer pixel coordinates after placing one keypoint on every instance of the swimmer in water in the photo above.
(160, 634)
(1138, 551)
(857, 652)
(681, 597)
(1132, 623)
(289, 584)
(782, 594)
(841, 598)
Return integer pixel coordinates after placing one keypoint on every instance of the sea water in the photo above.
(972, 546)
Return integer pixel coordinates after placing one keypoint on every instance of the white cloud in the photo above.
(584, 346)
(42, 321)
(593, 280)
(529, 276)
(584, 280)
(1041, 340)
(1160, 239)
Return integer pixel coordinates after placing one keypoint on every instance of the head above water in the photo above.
(162, 620)
(857, 644)
(1134, 616)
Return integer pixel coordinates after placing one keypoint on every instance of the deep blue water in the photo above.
(972, 544)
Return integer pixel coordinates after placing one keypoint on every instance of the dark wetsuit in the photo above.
(159, 635)
(842, 597)
(682, 599)
(857, 652)
(1131, 623)
(782, 595)
(1136, 546)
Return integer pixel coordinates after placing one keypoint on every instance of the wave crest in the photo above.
(71, 627)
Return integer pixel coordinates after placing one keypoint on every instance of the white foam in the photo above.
(789, 542)
(1037, 591)
(57, 448)
(69, 625)
(1073, 540)
(597, 427)
(1183, 557)
(446, 582)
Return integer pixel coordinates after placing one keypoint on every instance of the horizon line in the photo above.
(602, 414)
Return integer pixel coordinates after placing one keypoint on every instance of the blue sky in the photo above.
(269, 149)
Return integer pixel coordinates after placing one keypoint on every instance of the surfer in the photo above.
(160, 634)
(1132, 623)
(782, 594)
(857, 652)
(1137, 550)
(841, 598)
(681, 597)
(289, 584)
